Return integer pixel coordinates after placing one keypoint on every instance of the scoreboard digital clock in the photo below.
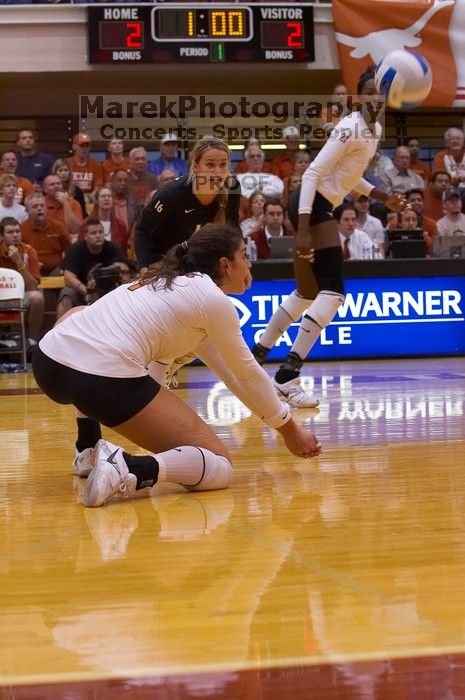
(202, 33)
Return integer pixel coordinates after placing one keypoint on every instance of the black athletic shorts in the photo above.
(322, 210)
(109, 400)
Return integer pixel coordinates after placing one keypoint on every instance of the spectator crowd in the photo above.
(72, 215)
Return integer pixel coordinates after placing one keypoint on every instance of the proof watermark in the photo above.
(236, 119)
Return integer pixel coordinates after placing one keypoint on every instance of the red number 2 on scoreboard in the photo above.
(133, 39)
(294, 38)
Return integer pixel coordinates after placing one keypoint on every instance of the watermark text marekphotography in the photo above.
(234, 119)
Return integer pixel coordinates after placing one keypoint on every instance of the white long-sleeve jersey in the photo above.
(126, 330)
(339, 166)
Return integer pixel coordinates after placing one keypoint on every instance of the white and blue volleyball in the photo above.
(404, 78)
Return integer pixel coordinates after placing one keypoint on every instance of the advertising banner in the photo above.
(385, 317)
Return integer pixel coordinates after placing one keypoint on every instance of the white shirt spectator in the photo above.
(397, 181)
(358, 240)
(374, 228)
(17, 211)
(447, 226)
(271, 185)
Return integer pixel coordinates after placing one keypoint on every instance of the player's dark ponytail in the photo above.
(201, 253)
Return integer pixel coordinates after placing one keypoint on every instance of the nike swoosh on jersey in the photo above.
(188, 211)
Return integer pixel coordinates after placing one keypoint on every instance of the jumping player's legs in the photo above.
(318, 295)
(328, 271)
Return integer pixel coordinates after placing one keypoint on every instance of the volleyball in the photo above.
(404, 78)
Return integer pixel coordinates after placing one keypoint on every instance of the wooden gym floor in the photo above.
(341, 577)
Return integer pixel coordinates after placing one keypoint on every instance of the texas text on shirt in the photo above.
(339, 166)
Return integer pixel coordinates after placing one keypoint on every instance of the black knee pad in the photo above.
(328, 269)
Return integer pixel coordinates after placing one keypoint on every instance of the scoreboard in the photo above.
(200, 33)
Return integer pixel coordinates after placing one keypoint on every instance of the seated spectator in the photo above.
(114, 229)
(291, 183)
(255, 210)
(255, 178)
(453, 220)
(80, 259)
(86, 172)
(418, 166)
(301, 161)
(165, 176)
(401, 177)
(273, 225)
(16, 255)
(433, 200)
(377, 169)
(283, 164)
(452, 158)
(8, 204)
(116, 159)
(61, 207)
(125, 205)
(415, 201)
(242, 166)
(368, 223)
(141, 182)
(354, 241)
(169, 159)
(32, 164)
(9, 166)
(48, 237)
(61, 168)
(407, 219)
(338, 108)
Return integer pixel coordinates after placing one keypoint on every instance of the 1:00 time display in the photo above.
(201, 23)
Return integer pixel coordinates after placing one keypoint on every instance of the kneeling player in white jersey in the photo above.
(318, 263)
(98, 358)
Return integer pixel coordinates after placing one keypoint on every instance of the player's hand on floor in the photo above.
(299, 441)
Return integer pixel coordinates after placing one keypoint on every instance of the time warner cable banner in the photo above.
(390, 317)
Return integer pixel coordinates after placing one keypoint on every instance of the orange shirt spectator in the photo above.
(9, 166)
(418, 166)
(50, 240)
(28, 254)
(109, 166)
(283, 164)
(87, 172)
(115, 161)
(433, 194)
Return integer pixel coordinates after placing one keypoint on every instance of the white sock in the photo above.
(195, 468)
(181, 465)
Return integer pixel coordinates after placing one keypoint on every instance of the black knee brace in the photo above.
(328, 269)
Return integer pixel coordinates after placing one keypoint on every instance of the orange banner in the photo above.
(366, 30)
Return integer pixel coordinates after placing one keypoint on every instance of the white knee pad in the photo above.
(217, 473)
(295, 305)
(324, 308)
